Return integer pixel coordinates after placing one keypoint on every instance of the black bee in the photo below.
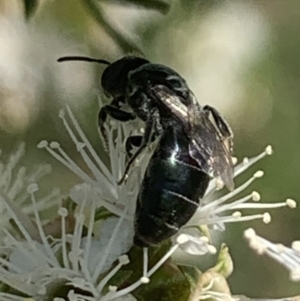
(191, 148)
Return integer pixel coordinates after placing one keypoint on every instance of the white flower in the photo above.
(197, 244)
(34, 263)
(14, 179)
(288, 257)
(114, 197)
(215, 213)
(102, 179)
(86, 256)
(39, 261)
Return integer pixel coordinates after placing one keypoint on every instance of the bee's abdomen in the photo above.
(168, 198)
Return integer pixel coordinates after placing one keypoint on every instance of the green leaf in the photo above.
(192, 274)
(120, 279)
(224, 265)
(30, 7)
(159, 5)
(102, 213)
(167, 284)
(99, 15)
(136, 259)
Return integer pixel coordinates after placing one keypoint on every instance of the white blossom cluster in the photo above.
(85, 258)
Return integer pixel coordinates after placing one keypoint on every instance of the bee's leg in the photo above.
(152, 130)
(221, 123)
(133, 141)
(113, 110)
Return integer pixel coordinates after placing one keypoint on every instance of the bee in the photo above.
(194, 143)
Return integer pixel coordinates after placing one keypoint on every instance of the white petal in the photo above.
(27, 257)
(196, 245)
(83, 193)
(122, 243)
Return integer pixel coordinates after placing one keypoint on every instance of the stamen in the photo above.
(71, 164)
(181, 239)
(112, 288)
(77, 234)
(88, 278)
(32, 189)
(135, 285)
(232, 193)
(14, 159)
(123, 260)
(266, 218)
(31, 250)
(80, 148)
(63, 212)
(18, 183)
(288, 257)
(66, 162)
(246, 163)
(234, 160)
(291, 203)
(23, 222)
(145, 266)
(12, 267)
(288, 203)
(233, 205)
(255, 196)
(101, 263)
(101, 165)
(296, 245)
(49, 201)
(249, 162)
(87, 249)
(235, 217)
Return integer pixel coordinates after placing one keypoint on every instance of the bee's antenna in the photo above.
(82, 58)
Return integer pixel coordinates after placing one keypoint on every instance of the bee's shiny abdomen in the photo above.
(170, 192)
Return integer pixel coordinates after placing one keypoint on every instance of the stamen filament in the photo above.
(231, 219)
(231, 194)
(77, 234)
(145, 263)
(231, 206)
(243, 166)
(132, 287)
(87, 248)
(88, 144)
(288, 257)
(260, 205)
(63, 212)
(104, 256)
(24, 224)
(74, 168)
(51, 256)
(105, 280)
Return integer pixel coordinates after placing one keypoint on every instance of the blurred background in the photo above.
(242, 57)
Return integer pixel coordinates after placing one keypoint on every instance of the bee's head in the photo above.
(114, 80)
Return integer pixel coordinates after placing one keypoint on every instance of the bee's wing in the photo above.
(207, 145)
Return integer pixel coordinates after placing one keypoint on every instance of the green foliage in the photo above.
(30, 7)
(96, 11)
(158, 5)
(224, 265)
